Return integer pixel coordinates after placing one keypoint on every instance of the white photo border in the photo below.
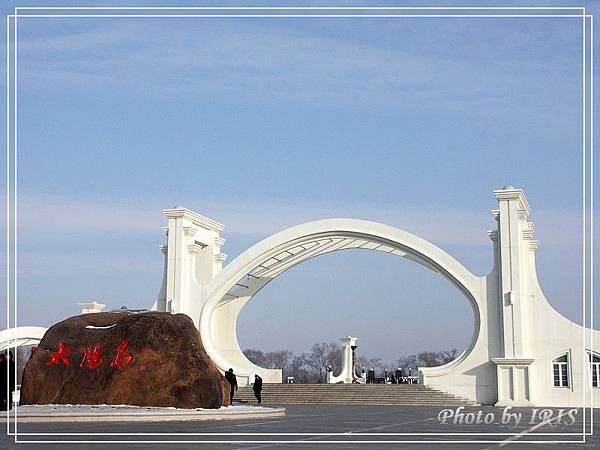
(11, 188)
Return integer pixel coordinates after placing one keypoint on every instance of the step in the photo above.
(347, 394)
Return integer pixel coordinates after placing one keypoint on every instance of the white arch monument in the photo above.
(21, 336)
(518, 339)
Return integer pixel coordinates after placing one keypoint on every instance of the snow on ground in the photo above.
(130, 408)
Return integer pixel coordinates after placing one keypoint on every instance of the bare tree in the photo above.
(278, 360)
(334, 358)
(290, 364)
(448, 355)
(408, 362)
(362, 361)
(322, 355)
(311, 367)
(428, 359)
(255, 356)
(270, 360)
(298, 370)
(368, 363)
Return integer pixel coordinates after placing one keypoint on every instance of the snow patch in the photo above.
(130, 408)
(92, 327)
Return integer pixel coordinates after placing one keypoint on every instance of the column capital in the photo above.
(179, 212)
(349, 341)
(527, 230)
(189, 231)
(91, 307)
(220, 257)
(512, 193)
(194, 248)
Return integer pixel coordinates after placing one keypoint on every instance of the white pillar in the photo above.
(347, 373)
(91, 307)
(193, 258)
(161, 301)
(513, 247)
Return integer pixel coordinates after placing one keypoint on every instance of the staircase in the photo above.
(351, 394)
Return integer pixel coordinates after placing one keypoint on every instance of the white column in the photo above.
(193, 258)
(513, 210)
(91, 307)
(512, 250)
(347, 373)
(161, 300)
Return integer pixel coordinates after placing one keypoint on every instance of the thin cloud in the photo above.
(55, 214)
(246, 63)
(449, 226)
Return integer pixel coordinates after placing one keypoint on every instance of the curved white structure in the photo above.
(348, 370)
(238, 282)
(518, 340)
(20, 336)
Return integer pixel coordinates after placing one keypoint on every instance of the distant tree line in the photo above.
(311, 367)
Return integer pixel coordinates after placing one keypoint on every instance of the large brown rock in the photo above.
(162, 362)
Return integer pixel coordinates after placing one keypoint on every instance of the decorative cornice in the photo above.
(512, 361)
(219, 241)
(165, 230)
(496, 214)
(189, 231)
(194, 248)
(493, 234)
(510, 193)
(220, 257)
(197, 219)
(522, 214)
(92, 305)
(164, 248)
(533, 245)
(527, 231)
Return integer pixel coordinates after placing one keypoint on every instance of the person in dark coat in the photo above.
(230, 376)
(3, 381)
(257, 387)
(11, 377)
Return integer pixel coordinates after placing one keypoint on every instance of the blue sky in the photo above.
(266, 123)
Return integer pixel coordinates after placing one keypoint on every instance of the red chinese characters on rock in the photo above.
(62, 355)
(122, 360)
(94, 356)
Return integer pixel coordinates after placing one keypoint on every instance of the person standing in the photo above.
(3, 381)
(11, 378)
(230, 376)
(257, 387)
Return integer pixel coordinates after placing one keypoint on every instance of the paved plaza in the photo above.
(357, 423)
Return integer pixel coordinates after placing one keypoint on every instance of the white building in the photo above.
(522, 352)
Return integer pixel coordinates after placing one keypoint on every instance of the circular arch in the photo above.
(20, 336)
(240, 280)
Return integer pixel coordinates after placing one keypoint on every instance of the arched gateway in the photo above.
(516, 333)
(20, 337)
